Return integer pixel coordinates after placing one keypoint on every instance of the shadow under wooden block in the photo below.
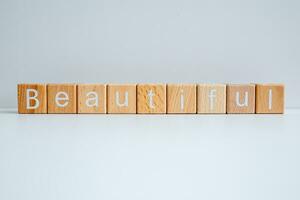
(269, 98)
(211, 99)
(121, 99)
(62, 98)
(151, 98)
(32, 98)
(181, 98)
(241, 98)
(91, 98)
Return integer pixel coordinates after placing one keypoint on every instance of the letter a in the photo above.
(92, 99)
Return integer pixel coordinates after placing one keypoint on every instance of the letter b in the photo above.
(33, 98)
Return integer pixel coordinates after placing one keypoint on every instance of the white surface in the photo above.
(117, 41)
(135, 157)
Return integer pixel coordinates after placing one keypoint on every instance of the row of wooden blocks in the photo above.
(151, 98)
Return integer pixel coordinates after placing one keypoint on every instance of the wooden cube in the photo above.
(121, 99)
(91, 98)
(181, 98)
(151, 98)
(241, 98)
(211, 98)
(32, 98)
(62, 98)
(269, 98)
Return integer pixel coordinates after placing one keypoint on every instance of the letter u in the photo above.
(237, 99)
(125, 103)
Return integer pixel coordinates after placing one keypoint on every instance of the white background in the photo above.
(149, 157)
(149, 41)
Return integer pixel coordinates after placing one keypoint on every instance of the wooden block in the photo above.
(91, 98)
(181, 98)
(151, 98)
(62, 98)
(269, 98)
(32, 98)
(241, 98)
(121, 98)
(211, 98)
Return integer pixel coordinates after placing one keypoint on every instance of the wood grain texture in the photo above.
(237, 101)
(91, 98)
(151, 98)
(181, 98)
(211, 98)
(270, 98)
(54, 91)
(121, 99)
(41, 98)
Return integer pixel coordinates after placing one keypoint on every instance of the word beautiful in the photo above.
(150, 98)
